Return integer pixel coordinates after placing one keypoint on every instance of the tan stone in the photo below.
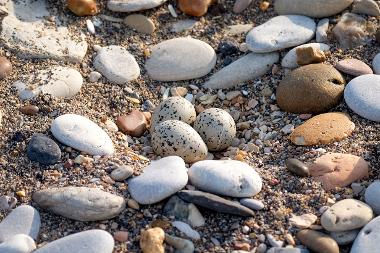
(133, 124)
(313, 88)
(151, 240)
(140, 23)
(318, 242)
(323, 129)
(308, 55)
(338, 170)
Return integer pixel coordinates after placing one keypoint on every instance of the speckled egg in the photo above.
(216, 127)
(174, 108)
(174, 137)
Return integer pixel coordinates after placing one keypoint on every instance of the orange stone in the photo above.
(194, 8)
(133, 124)
(82, 7)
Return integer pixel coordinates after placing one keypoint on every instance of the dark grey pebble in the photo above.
(44, 150)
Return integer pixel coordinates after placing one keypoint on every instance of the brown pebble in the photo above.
(194, 8)
(29, 110)
(308, 55)
(264, 5)
(5, 67)
(133, 124)
(121, 236)
(318, 242)
(82, 7)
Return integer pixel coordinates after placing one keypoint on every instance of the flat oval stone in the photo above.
(372, 194)
(140, 23)
(311, 8)
(353, 67)
(133, 5)
(280, 32)
(225, 177)
(80, 203)
(117, 64)
(94, 241)
(290, 59)
(338, 170)
(174, 108)
(246, 68)
(83, 134)
(61, 82)
(362, 95)
(173, 137)
(368, 238)
(18, 244)
(180, 59)
(313, 88)
(347, 214)
(22, 220)
(297, 167)
(44, 150)
(216, 127)
(323, 129)
(345, 237)
(317, 241)
(159, 180)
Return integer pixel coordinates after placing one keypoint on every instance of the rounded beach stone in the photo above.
(372, 196)
(133, 124)
(368, 238)
(83, 134)
(338, 170)
(117, 64)
(140, 23)
(22, 220)
(317, 241)
(313, 88)
(159, 180)
(297, 167)
(353, 67)
(18, 244)
(311, 8)
(216, 127)
(280, 32)
(133, 5)
(290, 59)
(44, 150)
(180, 59)
(347, 214)
(345, 237)
(225, 177)
(122, 172)
(174, 108)
(362, 95)
(323, 129)
(173, 137)
(194, 8)
(94, 241)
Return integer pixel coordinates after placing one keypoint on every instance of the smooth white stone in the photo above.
(186, 229)
(18, 244)
(133, 5)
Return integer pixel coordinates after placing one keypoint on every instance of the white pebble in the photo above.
(90, 26)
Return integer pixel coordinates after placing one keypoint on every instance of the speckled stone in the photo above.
(317, 241)
(159, 180)
(133, 5)
(216, 127)
(313, 88)
(280, 32)
(173, 137)
(323, 129)
(362, 95)
(290, 59)
(347, 214)
(368, 239)
(225, 177)
(353, 67)
(174, 108)
(311, 8)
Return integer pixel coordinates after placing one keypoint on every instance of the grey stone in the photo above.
(117, 64)
(215, 203)
(321, 32)
(239, 29)
(122, 172)
(362, 95)
(159, 180)
(372, 196)
(133, 5)
(83, 134)
(80, 203)
(183, 25)
(91, 241)
(253, 204)
(186, 229)
(368, 238)
(183, 211)
(25, 31)
(43, 150)
(290, 59)
(344, 237)
(247, 68)
(18, 244)
(180, 59)
(376, 64)
(280, 32)
(181, 245)
(22, 220)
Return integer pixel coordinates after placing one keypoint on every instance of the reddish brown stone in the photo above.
(5, 67)
(29, 109)
(133, 124)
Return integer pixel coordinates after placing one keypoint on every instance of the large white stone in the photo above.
(18, 244)
(83, 134)
(61, 82)
(27, 32)
(22, 220)
(117, 64)
(281, 32)
(362, 95)
(290, 59)
(225, 177)
(247, 68)
(368, 239)
(161, 179)
(180, 59)
(91, 241)
(133, 5)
